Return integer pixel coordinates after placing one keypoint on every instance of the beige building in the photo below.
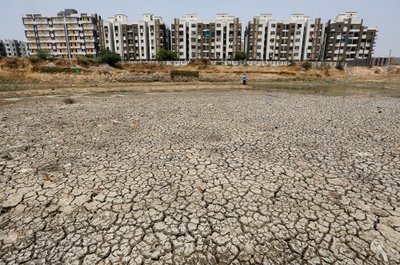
(66, 34)
(136, 40)
(218, 39)
(347, 38)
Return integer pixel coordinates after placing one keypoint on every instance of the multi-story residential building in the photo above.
(313, 40)
(66, 34)
(23, 48)
(298, 38)
(217, 39)
(346, 38)
(2, 49)
(13, 48)
(136, 41)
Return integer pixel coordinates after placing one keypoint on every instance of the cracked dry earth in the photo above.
(201, 178)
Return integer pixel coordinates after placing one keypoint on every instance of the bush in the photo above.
(82, 61)
(306, 66)
(44, 55)
(240, 56)
(164, 55)
(109, 57)
(185, 74)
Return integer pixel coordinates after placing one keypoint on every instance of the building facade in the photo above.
(136, 41)
(2, 49)
(298, 38)
(347, 38)
(218, 39)
(66, 34)
(13, 48)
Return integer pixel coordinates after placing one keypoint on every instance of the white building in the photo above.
(298, 38)
(216, 39)
(346, 38)
(136, 40)
(13, 48)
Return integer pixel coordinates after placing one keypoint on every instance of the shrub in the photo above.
(306, 66)
(185, 74)
(44, 55)
(240, 56)
(109, 57)
(164, 55)
(82, 61)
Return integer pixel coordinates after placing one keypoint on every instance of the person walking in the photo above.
(244, 79)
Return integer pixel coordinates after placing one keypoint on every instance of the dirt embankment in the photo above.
(24, 77)
(86, 71)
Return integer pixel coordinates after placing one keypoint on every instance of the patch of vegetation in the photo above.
(185, 74)
(306, 66)
(44, 55)
(164, 55)
(200, 63)
(109, 57)
(69, 101)
(52, 69)
(86, 61)
(240, 56)
(11, 63)
(34, 60)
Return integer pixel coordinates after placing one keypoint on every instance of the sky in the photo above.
(376, 13)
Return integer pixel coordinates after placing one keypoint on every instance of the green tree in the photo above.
(44, 55)
(240, 56)
(109, 57)
(164, 55)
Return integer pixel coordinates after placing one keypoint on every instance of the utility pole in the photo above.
(67, 37)
(390, 54)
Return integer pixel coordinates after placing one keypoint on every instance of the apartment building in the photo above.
(2, 49)
(298, 38)
(66, 34)
(347, 38)
(138, 40)
(13, 48)
(217, 39)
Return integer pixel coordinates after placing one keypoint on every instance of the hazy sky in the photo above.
(380, 13)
